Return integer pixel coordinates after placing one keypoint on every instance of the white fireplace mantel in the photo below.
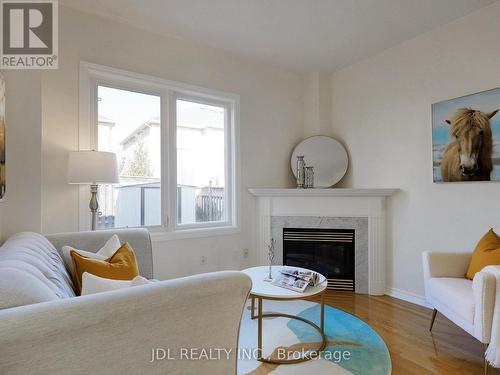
(279, 192)
(333, 203)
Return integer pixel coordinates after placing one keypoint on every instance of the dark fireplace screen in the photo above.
(327, 251)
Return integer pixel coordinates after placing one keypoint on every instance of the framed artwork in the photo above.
(2, 138)
(466, 138)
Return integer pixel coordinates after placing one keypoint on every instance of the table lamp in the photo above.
(92, 168)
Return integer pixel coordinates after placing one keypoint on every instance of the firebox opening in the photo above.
(327, 251)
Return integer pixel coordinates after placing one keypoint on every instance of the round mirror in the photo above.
(326, 155)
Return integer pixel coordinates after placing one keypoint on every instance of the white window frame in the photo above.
(93, 75)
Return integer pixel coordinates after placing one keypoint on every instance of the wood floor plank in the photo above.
(448, 350)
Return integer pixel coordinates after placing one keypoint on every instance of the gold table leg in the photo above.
(259, 334)
(252, 307)
(323, 313)
(261, 315)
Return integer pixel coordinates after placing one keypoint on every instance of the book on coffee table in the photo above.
(296, 279)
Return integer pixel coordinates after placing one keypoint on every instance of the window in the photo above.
(128, 124)
(201, 162)
(176, 149)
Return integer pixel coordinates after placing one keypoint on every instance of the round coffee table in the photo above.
(262, 290)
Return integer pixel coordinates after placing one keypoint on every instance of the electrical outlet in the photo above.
(245, 253)
(203, 260)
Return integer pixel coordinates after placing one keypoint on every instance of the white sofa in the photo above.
(467, 303)
(112, 332)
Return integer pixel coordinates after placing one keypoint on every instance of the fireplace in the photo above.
(327, 251)
(361, 210)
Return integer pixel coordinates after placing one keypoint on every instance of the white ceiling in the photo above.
(302, 35)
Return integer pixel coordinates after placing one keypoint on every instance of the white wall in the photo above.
(270, 111)
(317, 104)
(381, 110)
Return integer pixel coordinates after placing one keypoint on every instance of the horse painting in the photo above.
(468, 156)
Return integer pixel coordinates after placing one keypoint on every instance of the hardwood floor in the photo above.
(405, 329)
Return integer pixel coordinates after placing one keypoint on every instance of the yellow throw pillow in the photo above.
(122, 265)
(486, 253)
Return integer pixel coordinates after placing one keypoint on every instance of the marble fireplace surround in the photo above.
(360, 209)
(359, 224)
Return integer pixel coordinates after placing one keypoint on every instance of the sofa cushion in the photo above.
(34, 255)
(18, 288)
(455, 293)
(33, 271)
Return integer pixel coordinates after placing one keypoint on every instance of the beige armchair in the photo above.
(468, 304)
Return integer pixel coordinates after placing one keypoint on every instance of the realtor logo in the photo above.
(28, 34)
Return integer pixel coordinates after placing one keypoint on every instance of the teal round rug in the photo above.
(353, 347)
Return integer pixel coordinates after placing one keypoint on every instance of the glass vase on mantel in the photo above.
(270, 256)
(309, 178)
(301, 172)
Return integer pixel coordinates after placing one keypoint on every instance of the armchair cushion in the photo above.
(454, 293)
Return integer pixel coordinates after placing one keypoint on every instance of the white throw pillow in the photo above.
(94, 284)
(104, 252)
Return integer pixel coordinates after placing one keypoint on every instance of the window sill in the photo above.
(161, 236)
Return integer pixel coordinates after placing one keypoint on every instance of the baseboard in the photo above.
(408, 297)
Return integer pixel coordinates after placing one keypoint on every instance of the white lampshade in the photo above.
(92, 167)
